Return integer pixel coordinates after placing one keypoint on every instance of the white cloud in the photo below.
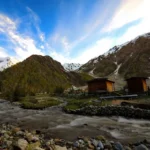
(36, 20)
(59, 57)
(24, 45)
(99, 48)
(138, 29)
(3, 52)
(66, 45)
(128, 11)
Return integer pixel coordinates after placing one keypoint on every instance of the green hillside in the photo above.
(38, 74)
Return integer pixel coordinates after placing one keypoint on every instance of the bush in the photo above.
(59, 90)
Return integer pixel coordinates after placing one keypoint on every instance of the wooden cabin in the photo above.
(99, 85)
(137, 85)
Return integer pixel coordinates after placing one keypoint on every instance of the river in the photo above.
(55, 123)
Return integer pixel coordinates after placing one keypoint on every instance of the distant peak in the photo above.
(71, 66)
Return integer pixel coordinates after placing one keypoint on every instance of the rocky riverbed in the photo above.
(126, 111)
(53, 123)
(14, 138)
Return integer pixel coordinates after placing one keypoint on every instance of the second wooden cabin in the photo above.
(137, 84)
(99, 85)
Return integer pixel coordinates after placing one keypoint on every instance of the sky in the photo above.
(70, 31)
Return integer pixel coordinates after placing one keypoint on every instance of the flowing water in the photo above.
(55, 123)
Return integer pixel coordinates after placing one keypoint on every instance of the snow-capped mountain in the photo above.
(71, 66)
(124, 61)
(6, 62)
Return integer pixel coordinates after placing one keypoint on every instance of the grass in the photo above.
(77, 103)
(39, 101)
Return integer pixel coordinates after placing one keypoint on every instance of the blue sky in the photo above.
(69, 30)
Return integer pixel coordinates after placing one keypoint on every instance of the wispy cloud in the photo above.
(35, 20)
(87, 53)
(3, 52)
(81, 28)
(127, 12)
(23, 45)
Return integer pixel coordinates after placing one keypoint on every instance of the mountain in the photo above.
(38, 74)
(71, 66)
(6, 62)
(123, 61)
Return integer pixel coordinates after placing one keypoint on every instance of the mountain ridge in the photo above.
(123, 61)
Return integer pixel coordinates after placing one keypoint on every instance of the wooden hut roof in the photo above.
(136, 78)
(100, 79)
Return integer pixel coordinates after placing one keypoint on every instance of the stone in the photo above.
(50, 142)
(101, 138)
(107, 145)
(81, 141)
(3, 131)
(8, 143)
(118, 146)
(35, 138)
(31, 137)
(127, 148)
(76, 144)
(100, 144)
(21, 133)
(28, 136)
(38, 148)
(6, 136)
(60, 148)
(21, 144)
(141, 147)
(32, 146)
(15, 130)
(95, 142)
(90, 145)
(112, 142)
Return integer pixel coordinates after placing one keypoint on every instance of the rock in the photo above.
(6, 136)
(28, 136)
(85, 139)
(38, 131)
(15, 130)
(100, 144)
(60, 148)
(3, 131)
(112, 142)
(81, 141)
(101, 138)
(8, 143)
(90, 145)
(35, 138)
(38, 148)
(127, 148)
(95, 142)
(141, 147)
(76, 144)
(20, 133)
(21, 144)
(60, 142)
(118, 146)
(31, 137)
(107, 145)
(33, 146)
